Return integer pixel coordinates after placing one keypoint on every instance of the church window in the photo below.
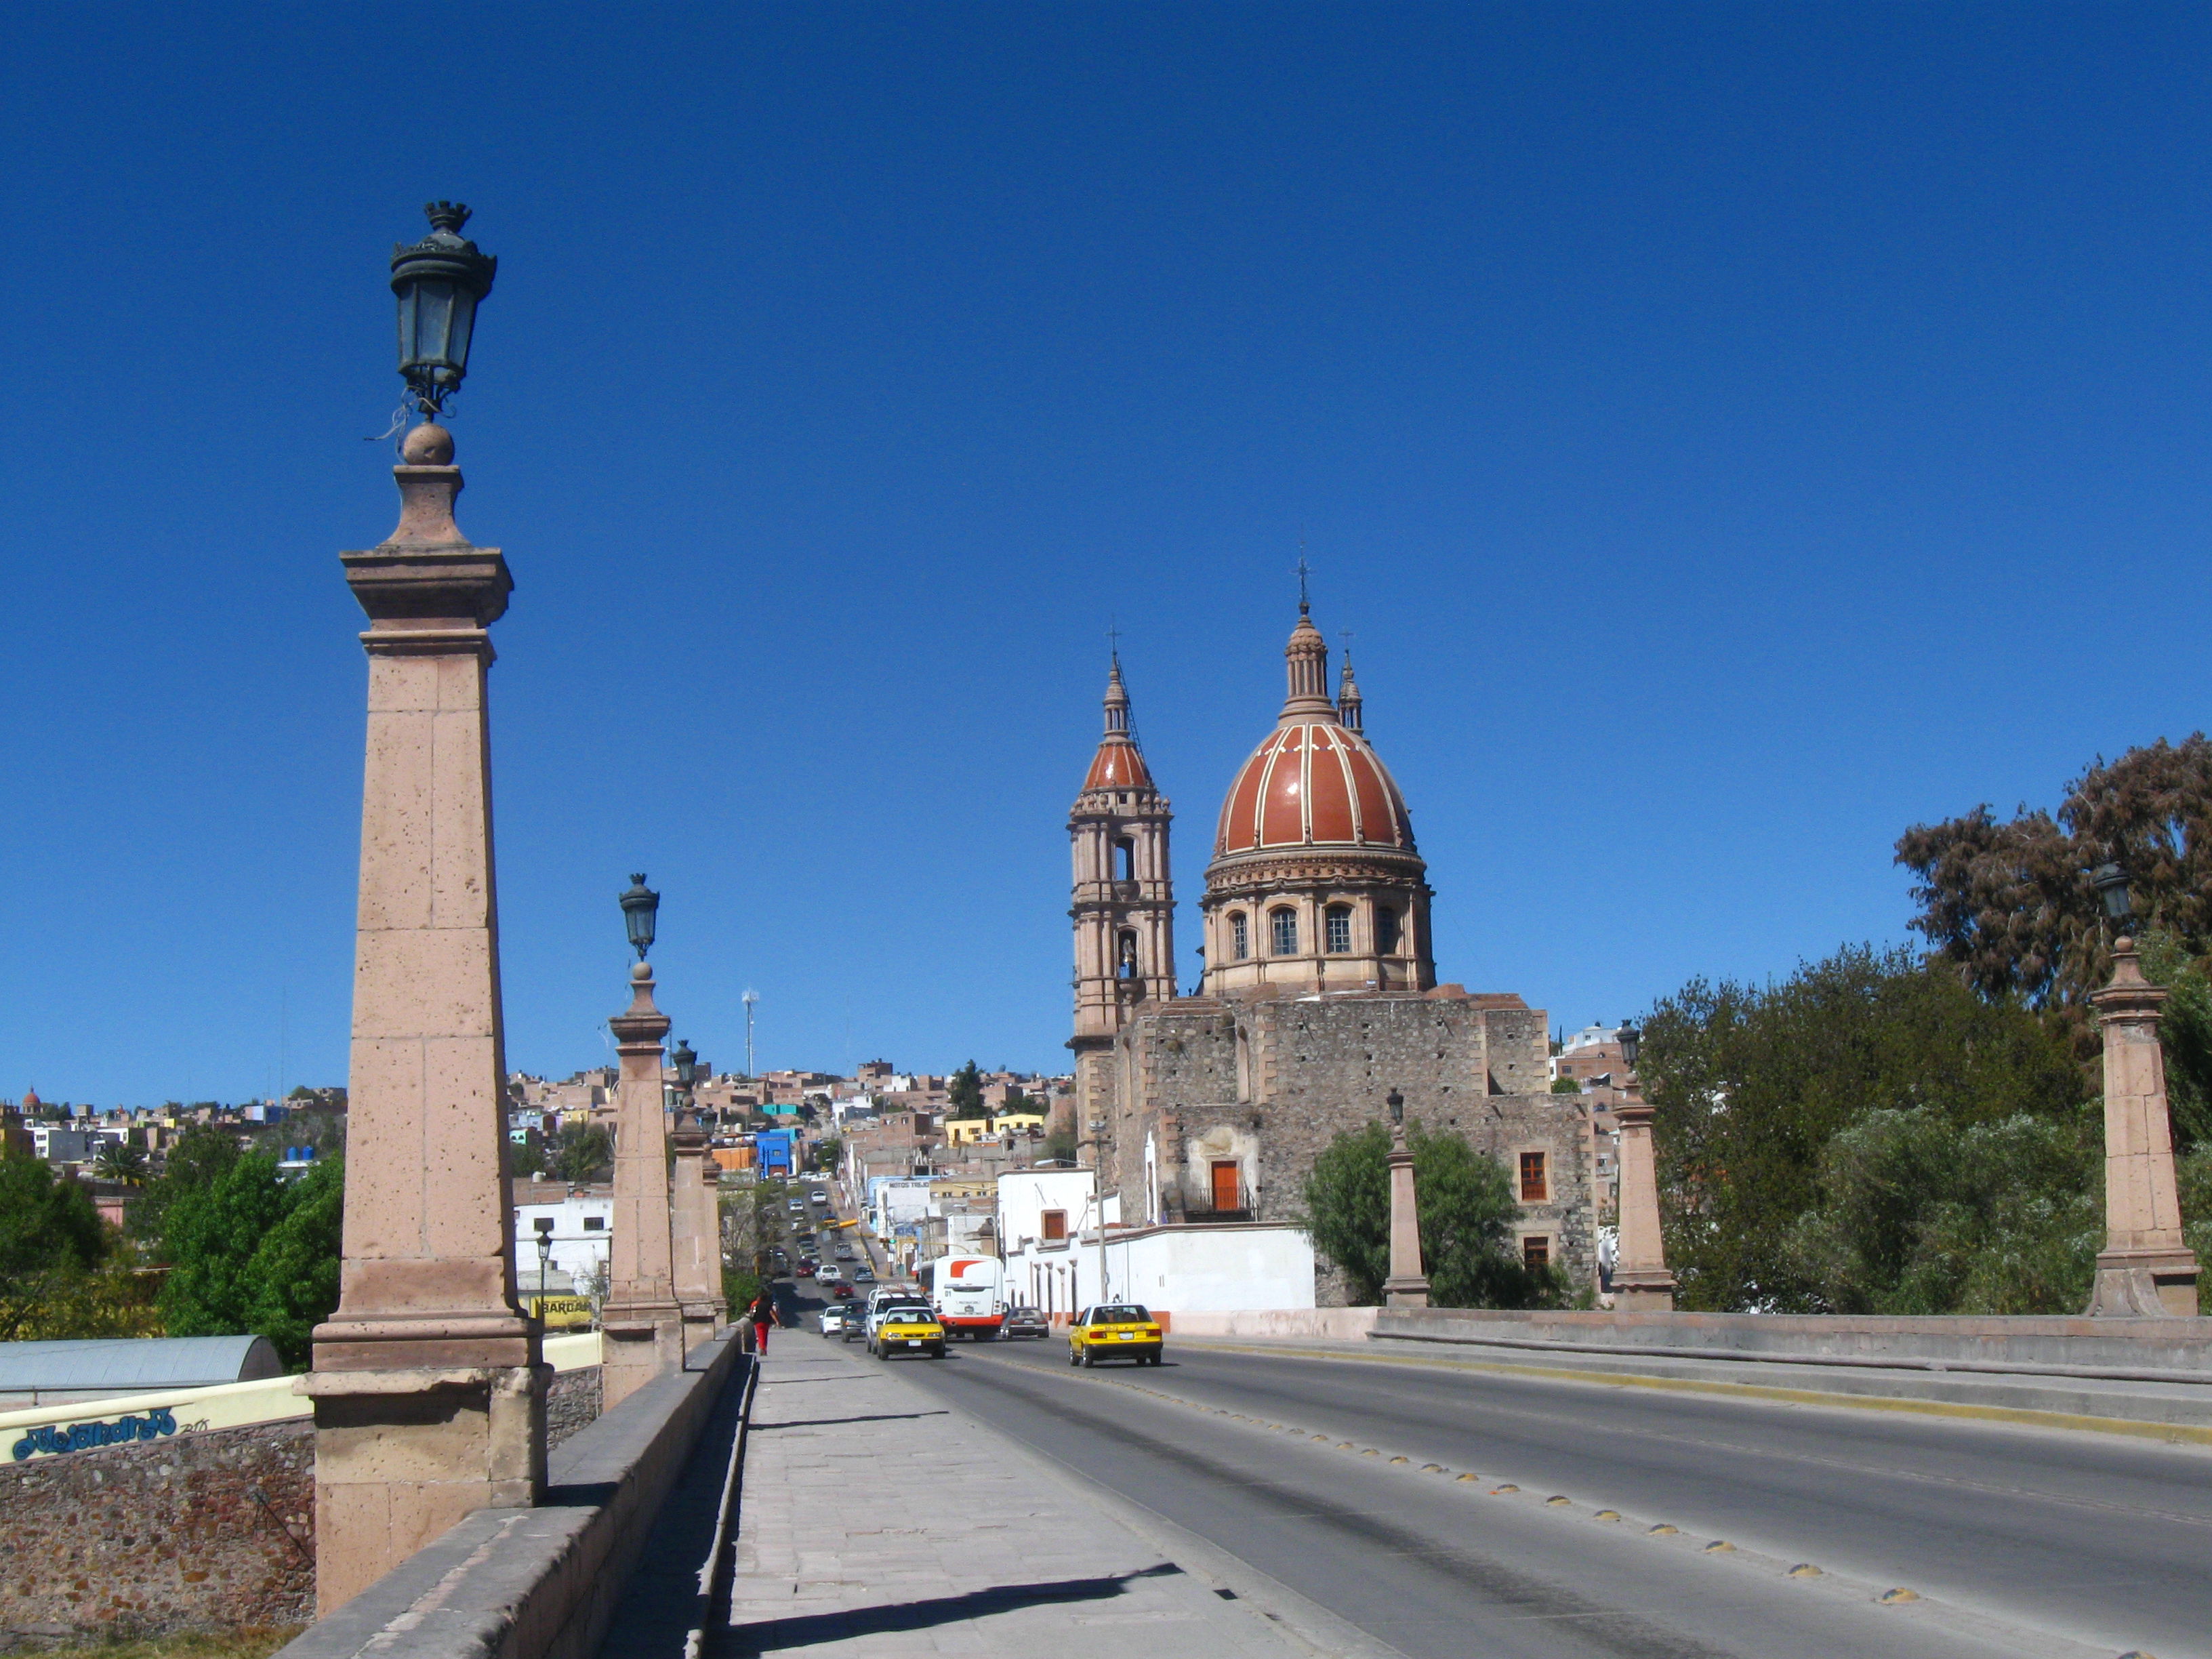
(1536, 1179)
(1386, 931)
(1339, 928)
(1284, 926)
(1125, 861)
(1536, 1251)
(1239, 936)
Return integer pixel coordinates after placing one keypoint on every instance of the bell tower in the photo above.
(1124, 899)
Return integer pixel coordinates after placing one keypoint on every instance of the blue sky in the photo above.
(1732, 434)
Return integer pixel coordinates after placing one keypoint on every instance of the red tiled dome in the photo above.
(1119, 764)
(1313, 782)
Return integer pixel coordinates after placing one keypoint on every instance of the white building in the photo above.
(1218, 1267)
(583, 1220)
(1045, 1205)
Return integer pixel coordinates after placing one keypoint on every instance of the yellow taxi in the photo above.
(908, 1330)
(1115, 1330)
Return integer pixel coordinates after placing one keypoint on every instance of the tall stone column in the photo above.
(696, 1229)
(2144, 1271)
(1641, 1283)
(642, 1327)
(429, 1389)
(1407, 1286)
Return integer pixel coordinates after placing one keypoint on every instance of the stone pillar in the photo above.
(642, 1327)
(1641, 1283)
(696, 1229)
(2144, 1271)
(1407, 1286)
(429, 1389)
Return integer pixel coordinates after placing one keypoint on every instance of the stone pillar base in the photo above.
(633, 1351)
(1405, 1293)
(701, 1321)
(1644, 1290)
(2144, 1284)
(400, 1455)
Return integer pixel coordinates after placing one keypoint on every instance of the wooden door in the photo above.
(1225, 1185)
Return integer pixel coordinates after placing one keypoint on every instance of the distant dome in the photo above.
(1313, 782)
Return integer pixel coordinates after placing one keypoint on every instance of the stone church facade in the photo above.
(1319, 995)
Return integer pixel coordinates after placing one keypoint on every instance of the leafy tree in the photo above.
(1467, 1210)
(526, 1157)
(1060, 1143)
(964, 1094)
(828, 1151)
(1566, 1085)
(50, 1240)
(294, 1269)
(2009, 904)
(2184, 1031)
(1750, 1084)
(209, 1237)
(120, 1161)
(1917, 1215)
(201, 1154)
(250, 1253)
(581, 1152)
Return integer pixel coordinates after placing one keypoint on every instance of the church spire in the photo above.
(1307, 660)
(1117, 701)
(1347, 694)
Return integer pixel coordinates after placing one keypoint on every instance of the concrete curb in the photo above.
(1919, 1392)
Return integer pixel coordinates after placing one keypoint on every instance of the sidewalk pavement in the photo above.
(877, 1521)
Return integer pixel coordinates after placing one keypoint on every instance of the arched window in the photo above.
(1239, 936)
(1283, 926)
(1386, 930)
(1339, 928)
(1126, 965)
(1125, 861)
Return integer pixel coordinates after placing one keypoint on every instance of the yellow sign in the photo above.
(563, 1313)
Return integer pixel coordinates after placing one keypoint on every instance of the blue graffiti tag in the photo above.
(82, 1436)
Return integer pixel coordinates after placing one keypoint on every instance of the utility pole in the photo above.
(750, 997)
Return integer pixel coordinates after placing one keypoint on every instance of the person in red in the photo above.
(763, 1313)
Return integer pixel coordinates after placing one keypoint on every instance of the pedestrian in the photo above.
(762, 1312)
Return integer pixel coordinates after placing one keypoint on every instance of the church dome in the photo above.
(1119, 763)
(1313, 782)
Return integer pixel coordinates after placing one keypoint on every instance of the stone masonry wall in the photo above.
(1271, 1082)
(573, 1402)
(208, 1531)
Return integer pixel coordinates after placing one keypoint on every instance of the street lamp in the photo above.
(2111, 881)
(1631, 1040)
(686, 1064)
(545, 1226)
(641, 904)
(1396, 1103)
(1407, 1287)
(438, 282)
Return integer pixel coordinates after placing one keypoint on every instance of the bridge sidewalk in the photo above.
(877, 1521)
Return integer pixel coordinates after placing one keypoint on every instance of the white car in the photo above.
(827, 1274)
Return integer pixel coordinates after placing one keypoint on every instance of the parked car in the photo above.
(1026, 1322)
(1117, 1330)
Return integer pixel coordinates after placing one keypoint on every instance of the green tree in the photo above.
(1917, 1215)
(526, 1157)
(1750, 1084)
(1566, 1085)
(210, 1237)
(1059, 1145)
(249, 1253)
(51, 1240)
(201, 1154)
(294, 1271)
(582, 1152)
(964, 1094)
(1467, 1210)
(827, 1151)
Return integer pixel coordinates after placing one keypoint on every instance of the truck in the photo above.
(969, 1295)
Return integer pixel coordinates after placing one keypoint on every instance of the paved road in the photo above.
(2015, 1541)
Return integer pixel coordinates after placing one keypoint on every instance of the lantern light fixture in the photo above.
(1396, 1103)
(1631, 1040)
(439, 280)
(640, 905)
(686, 1063)
(2111, 881)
